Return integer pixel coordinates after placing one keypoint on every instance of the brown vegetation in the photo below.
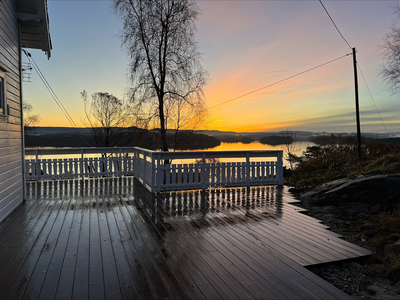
(321, 164)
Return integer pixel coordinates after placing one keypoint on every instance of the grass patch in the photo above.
(387, 164)
(389, 262)
(391, 222)
(393, 271)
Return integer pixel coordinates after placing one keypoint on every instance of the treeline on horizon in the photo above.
(183, 140)
(127, 137)
(351, 139)
(322, 140)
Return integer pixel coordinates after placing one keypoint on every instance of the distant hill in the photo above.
(69, 137)
(81, 137)
(215, 132)
(58, 140)
(55, 130)
(351, 139)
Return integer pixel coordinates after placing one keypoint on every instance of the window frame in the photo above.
(3, 94)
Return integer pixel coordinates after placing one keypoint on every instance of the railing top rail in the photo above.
(94, 150)
(162, 155)
(217, 154)
(146, 150)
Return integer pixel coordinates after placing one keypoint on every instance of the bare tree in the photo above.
(165, 67)
(29, 119)
(183, 118)
(290, 148)
(105, 116)
(390, 70)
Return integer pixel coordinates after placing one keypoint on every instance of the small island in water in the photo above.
(275, 140)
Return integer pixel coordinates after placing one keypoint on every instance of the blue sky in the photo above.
(246, 45)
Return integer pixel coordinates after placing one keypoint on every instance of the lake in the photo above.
(297, 147)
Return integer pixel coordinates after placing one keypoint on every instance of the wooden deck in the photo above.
(112, 239)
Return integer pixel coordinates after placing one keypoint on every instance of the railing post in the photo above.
(248, 169)
(159, 179)
(135, 163)
(279, 168)
(203, 172)
(144, 168)
(120, 163)
(82, 171)
(153, 173)
(37, 165)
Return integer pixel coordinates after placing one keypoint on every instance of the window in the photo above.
(3, 102)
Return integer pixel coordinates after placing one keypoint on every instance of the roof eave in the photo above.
(35, 31)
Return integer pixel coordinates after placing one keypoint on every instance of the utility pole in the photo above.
(357, 106)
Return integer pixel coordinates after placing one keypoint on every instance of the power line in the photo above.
(369, 91)
(228, 0)
(47, 85)
(53, 94)
(333, 22)
(279, 81)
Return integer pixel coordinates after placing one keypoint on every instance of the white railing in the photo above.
(106, 162)
(159, 171)
(145, 167)
(206, 169)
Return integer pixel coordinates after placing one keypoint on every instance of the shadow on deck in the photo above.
(111, 238)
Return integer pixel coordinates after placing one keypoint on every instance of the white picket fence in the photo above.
(109, 162)
(258, 168)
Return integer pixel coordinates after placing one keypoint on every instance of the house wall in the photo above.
(11, 180)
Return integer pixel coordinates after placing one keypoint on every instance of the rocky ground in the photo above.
(354, 208)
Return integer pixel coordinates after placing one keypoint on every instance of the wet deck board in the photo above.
(113, 240)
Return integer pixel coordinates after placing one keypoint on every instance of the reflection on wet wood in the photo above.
(112, 239)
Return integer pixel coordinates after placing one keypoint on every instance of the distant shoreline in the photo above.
(204, 139)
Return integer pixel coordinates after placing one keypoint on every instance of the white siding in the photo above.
(11, 180)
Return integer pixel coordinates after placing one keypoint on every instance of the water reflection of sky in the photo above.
(297, 147)
(254, 204)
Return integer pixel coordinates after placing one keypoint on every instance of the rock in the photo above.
(381, 289)
(329, 219)
(383, 190)
(374, 208)
(355, 208)
(315, 195)
(347, 276)
(368, 226)
(391, 251)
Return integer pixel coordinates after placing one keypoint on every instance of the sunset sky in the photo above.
(246, 45)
